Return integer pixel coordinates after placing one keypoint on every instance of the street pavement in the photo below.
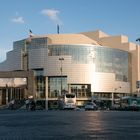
(69, 125)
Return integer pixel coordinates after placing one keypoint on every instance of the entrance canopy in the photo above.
(13, 82)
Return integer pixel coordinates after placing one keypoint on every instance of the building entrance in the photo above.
(8, 94)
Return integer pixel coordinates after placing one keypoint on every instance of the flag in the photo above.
(57, 28)
(29, 39)
(30, 33)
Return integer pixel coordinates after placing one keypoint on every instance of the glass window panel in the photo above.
(54, 86)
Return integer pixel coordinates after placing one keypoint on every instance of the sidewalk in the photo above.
(2, 107)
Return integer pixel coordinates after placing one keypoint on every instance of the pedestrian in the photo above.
(32, 105)
(27, 102)
(11, 104)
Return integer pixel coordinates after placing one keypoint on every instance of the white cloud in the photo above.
(18, 19)
(52, 14)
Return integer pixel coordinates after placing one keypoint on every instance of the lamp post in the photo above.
(92, 55)
(61, 59)
(138, 81)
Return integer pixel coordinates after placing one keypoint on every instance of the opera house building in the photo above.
(93, 65)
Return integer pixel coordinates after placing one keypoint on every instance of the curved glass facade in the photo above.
(107, 60)
(79, 53)
(112, 61)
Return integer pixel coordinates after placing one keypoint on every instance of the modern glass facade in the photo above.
(81, 54)
(107, 60)
(88, 68)
(110, 60)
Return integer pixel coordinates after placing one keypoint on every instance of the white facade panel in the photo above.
(76, 73)
(81, 74)
(105, 82)
(52, 65)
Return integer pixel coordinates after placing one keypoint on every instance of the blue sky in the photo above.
(114, 17)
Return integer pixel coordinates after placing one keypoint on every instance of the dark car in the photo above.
(90, 106)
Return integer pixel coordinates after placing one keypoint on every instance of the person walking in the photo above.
(32, 105)
(27, 102)
(12, 104)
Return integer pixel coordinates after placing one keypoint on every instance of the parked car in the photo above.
(90, 106)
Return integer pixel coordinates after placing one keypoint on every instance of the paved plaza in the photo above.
(69, 125)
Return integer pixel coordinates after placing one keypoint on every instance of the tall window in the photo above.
(40, 83)
(54, 86)
(112, 61)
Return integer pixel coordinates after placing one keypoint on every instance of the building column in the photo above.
(46, 93)
(112, 99)
(11, 94)
(69, 88)
(92, 96)
(6, 96)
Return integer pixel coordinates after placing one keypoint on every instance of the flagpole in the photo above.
(25, 51)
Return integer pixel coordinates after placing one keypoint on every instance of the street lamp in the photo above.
(92, 56)
(137, 82)
(61, 59)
